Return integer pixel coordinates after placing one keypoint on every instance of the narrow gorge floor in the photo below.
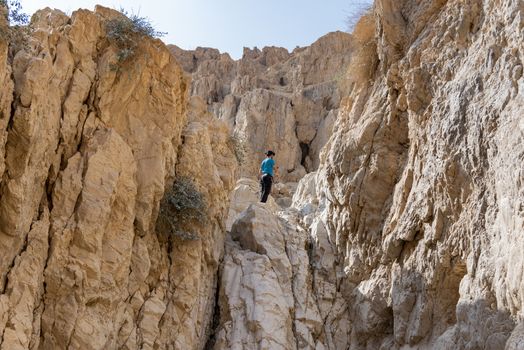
(277, 290)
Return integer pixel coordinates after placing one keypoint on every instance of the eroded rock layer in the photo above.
(409, 234)
(88, 146)
(414, 220)
(274, 99)
(422, 180)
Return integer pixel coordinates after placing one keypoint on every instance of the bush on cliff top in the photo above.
(127, 30)
(358, 9)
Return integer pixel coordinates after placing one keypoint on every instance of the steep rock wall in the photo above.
(412, 228)
(408, 235)
(420, 187)
(274, 99)
(87, 151)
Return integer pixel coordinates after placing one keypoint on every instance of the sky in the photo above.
(228, 25)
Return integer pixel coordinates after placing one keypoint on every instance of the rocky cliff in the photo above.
(422, 180)
(273, 99)
(89, 144)
(413, 224)
(116, 227)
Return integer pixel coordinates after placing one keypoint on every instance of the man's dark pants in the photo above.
(265, 187)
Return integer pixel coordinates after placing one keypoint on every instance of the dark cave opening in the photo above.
(304, 147)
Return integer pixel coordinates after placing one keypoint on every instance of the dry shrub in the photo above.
(14, 28)
(13, 12)
(182, 207)
(238, 145)
(364, 57)
(126, 32)
(358, 9)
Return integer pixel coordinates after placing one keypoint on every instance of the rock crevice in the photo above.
(396, 223)
(413, 224)
(86, 154)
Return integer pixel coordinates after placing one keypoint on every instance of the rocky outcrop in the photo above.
(412, 226)
(420, 187)
(279, 288)
(265, 294)
(274, 99)
(407, 236)
(88, 145)
(206, 159)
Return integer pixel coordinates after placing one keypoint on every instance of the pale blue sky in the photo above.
(228, 25)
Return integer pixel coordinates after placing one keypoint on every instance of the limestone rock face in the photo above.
(86, 154)
(273, 99)
(405, 230)
(206, 158)
(419, 195)
(413, 224)
(279, 287)
(246, 192)
(265, 294)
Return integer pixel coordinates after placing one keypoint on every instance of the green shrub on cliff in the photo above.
(14, 13)
(182, 207)
(126, 31)
(14, 28)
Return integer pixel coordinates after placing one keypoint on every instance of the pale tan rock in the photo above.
(6, 96)
(205, 157)
(413, 214)
(265, 293)
(151, 314)
(265, 118)
(86, 155)
(273, 99)
(516, 340)
(246, 192)
(412, 200)
(408, 236)
(21, 328)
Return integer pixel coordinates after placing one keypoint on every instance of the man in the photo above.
(266, 174)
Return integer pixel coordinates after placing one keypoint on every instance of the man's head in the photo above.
(270, 154)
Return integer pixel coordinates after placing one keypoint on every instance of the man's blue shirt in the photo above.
(267, 166)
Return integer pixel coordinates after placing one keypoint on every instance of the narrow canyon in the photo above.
(129, 209)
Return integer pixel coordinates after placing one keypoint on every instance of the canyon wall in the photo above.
(420, 189)
(412, 227)
(89, 144)
(404, 232)
(273, 99)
